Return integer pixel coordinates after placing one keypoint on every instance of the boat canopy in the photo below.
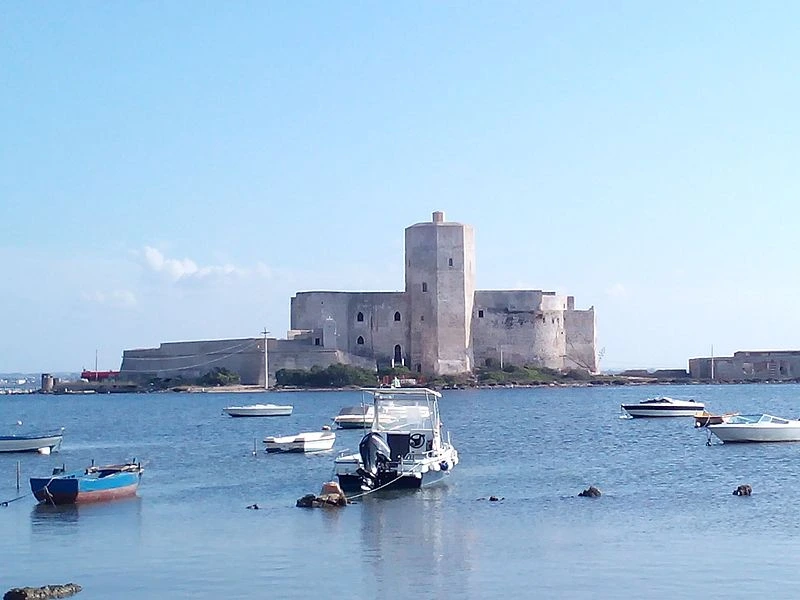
(411, 409)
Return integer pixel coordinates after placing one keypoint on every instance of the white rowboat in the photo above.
(259, 410)
(318, 441)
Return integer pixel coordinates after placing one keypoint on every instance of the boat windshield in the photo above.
(404, 414)
(355, 410)
(749, 419)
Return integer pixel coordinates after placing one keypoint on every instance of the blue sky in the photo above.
(179, 170)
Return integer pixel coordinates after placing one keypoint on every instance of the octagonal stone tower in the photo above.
(440, 287)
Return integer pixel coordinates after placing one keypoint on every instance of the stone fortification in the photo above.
(441, 324)
(194, 359)
(748, 365)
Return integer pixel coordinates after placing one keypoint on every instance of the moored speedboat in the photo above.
(405, 447)
(317, 441)
(44, 443)
(354, 417)
(663, 406)
(259, 410)
(757, 428)
(93, 484)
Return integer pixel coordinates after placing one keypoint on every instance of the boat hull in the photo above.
(81, 488)
(353, 424)
(352, 483)
(258, 411)
(13, 443)
(298, 444)
(732, 434)
(637, 410)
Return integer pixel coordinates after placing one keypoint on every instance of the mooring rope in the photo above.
(7, 502)
(368, 492)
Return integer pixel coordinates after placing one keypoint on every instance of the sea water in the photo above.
(666, 526)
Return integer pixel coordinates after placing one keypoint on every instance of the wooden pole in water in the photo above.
(18, 469)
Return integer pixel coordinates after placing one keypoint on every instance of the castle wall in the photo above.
(295, 354)
(514, 322)
(581, 340)
(379, 332)
(194, 359)
(764, 365)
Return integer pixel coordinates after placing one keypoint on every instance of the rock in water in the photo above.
(330, 495)
(590, 492)
(743, 490)
(42, 593)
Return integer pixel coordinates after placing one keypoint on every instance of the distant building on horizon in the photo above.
(747, 365)
(439, 325)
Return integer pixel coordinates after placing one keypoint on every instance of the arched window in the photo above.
(360, 318)
(424, 286)
(449, 262)
(397, 316)
(398, 354)
(360, 341)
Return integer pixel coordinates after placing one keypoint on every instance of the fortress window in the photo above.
(419, 368)
(449, 262)
(360, 317)
(316, 341)
(424, 286)
(480, 314)
(422, 318)
(360, 341)
(397, 316)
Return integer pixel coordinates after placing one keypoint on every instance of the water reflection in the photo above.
(48, 518)
(408, 532)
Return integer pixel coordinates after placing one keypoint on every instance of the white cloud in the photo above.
(115, 298)
(186, 269)
(617, 290)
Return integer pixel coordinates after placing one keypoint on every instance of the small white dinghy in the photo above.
(259, 410)
(317, 441)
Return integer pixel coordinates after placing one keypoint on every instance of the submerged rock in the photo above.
(42, 593)
(331, 495)
(590, 492)
(743, 490)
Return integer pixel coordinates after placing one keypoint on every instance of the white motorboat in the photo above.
(757, 428)
(663, 406)
(43, 443)
(354, 417)
(405, 447)
(259, 410)
(317, 441)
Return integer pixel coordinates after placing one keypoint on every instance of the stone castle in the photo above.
(439, 325)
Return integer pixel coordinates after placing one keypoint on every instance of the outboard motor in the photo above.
(374, 453)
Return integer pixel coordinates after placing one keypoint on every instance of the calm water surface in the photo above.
(667, 525)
